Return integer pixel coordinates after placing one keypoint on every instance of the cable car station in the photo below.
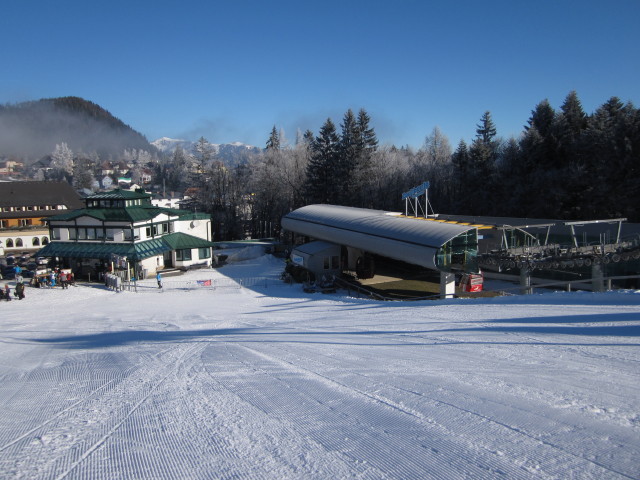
(348, 238)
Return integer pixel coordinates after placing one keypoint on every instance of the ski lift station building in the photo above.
(354, 234)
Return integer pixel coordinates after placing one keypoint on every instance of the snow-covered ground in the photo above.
(271, 383)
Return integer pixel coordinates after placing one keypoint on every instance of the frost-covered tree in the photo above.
(62, 157)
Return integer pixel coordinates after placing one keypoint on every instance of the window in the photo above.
(110, 234)
(204, 253)
(88, 233)
(3, 224)
(19, 242)
(73, 234)
(9, 243)
(183, 255)
(45, 240)
(35, 242)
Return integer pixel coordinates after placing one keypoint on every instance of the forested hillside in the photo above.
(33, 129)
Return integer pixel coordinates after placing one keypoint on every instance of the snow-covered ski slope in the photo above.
(273, 383)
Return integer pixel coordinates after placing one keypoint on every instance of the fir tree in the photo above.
(486, 130)
(321, 171)
(347, 158)
(274, 140)
(368, 142)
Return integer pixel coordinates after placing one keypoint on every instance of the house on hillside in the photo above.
(8, 167)
(106, 182)
(125, 224)
(24, 207)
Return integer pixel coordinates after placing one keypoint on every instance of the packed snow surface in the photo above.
(263, 381)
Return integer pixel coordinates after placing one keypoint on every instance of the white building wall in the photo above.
(26, 238)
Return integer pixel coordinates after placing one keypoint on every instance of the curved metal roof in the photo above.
(409, 239)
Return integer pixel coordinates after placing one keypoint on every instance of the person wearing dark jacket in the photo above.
(19, 290)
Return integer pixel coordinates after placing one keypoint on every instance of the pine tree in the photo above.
(321, 171)
(542, 118)
(274, 140)
(367, 145)
(368, 142)
(486, 130)
(462, 181)
(483, 154)
(347, 158)
(573, 118)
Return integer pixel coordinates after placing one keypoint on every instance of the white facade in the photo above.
(126, 224)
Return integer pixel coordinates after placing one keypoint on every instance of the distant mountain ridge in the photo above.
(230, 152)
(33, 129)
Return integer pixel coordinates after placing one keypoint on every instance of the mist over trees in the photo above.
(32, 129)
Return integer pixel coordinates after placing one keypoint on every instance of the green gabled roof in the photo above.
(119, 194)
(129, 214)
(150, 248)
(137, 251)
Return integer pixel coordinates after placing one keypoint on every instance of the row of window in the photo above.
(33, 208)
(114, 203)
(101, 233)
(185, 254)
(35, 242)
(22, 222)
(90, 233)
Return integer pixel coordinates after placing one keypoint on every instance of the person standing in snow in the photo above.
(159, 279)
(7, 292)
(20, 290)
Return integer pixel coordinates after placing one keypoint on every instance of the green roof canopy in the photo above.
(133, 251)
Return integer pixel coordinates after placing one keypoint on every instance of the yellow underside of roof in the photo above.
(477, 225)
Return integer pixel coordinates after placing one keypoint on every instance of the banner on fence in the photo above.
(204, 283)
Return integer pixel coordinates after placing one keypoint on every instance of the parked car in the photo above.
(8, 273)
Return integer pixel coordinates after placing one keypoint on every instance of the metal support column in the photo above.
(597, 283)
(525, 281)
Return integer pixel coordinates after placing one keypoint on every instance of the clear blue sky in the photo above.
(230, 70)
